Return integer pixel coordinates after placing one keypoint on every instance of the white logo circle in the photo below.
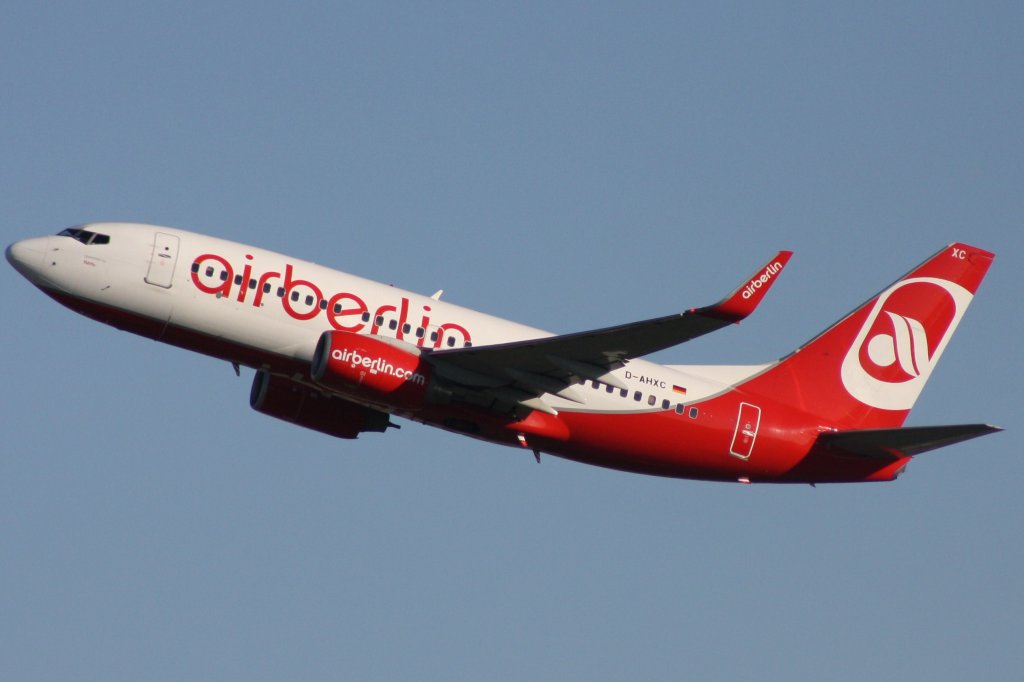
(902, 349)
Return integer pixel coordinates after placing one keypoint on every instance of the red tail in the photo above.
(867, 370)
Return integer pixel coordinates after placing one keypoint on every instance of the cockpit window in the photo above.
(85, 236)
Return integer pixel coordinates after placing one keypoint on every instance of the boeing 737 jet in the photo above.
(344, 355)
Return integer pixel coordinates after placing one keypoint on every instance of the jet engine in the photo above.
(372, 368)
(305, 406)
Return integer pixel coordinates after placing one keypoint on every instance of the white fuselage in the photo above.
(277, 307)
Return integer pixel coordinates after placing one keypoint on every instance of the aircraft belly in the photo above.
(669, 444)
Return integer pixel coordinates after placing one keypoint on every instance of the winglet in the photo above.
(748, 295)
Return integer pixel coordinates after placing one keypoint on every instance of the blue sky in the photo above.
(567, 165)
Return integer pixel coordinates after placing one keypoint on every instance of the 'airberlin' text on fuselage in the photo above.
(345, 311)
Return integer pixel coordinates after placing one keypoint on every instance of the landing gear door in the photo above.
(162, 260)
(747, 424)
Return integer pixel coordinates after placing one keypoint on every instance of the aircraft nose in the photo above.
(27, 256)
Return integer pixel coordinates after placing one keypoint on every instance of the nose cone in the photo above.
(27, 257)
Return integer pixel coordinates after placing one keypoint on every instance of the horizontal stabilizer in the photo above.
(901, 442)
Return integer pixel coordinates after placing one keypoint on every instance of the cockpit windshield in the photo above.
(84, 236)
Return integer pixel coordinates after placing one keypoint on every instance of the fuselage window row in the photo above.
(310, 300)
(652, 399)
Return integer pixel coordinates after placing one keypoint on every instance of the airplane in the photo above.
(343, 355)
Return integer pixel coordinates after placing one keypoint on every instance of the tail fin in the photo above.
(867, 370)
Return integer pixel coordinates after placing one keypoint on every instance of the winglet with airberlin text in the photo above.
(748, 296)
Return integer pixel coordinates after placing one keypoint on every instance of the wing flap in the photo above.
(901, 442)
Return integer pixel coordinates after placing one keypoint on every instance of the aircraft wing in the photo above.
(552, 364)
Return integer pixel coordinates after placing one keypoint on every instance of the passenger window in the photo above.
(266, 287)
(433, 336)
(238, 280)
(680, 408)
(252, 284)
(195, 267)
(309, 299)
(280, 292)
(295, 295)
(209, 271)
(393, 324)
(419, 332)
(451, 341)
(637, 396)
(406, 328)
(365, 317)
(651, 400)
(337, 308)
(693, 413)
(609, 388)
(623, 393)
(379, 321)
(665, 404)
(223, 275)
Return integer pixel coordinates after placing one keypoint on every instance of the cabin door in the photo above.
(747, 422)
(162, 260)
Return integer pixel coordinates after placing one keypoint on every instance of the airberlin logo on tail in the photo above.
(906, 346)
(762, 280)
(902, 338)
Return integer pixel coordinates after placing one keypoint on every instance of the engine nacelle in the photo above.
(299, 404)
(377, 369)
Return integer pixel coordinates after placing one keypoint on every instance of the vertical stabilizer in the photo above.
(867, 370)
